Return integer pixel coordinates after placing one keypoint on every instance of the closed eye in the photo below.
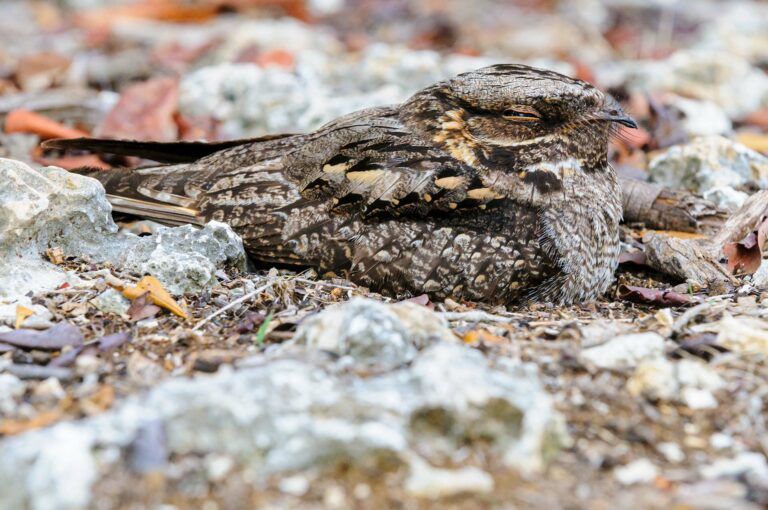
(521, 115)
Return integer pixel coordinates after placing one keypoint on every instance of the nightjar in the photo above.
(493, 185)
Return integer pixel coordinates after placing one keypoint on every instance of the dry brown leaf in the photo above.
(157, 294)
(145, 111)
(41, 71)
(141, 308)
(55, 255)
(746, 256)
(22, 312)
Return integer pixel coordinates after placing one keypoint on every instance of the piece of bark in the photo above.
(743, 221)
(662, 209)
(689, 260)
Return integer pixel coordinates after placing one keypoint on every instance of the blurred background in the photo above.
(219, 69)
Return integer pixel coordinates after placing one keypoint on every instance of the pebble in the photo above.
(713, 166)
(625, 351)
(640, 471)
(425, 481)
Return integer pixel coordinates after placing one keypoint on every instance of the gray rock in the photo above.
(701, 118)
(11, 388)
(741, 29)
(712, 166)
(636, 472)
(250, 100)
(760, 278)
(687, 381)
(751, 465)
(42, 209)
(40, 320)
(185, 259)
(112, 301)
(743, 334)
(723, 78)
(625, 351)
(50, 207)
(288, 412)
(375, 335)
(425, 481)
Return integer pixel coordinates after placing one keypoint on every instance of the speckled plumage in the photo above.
(492, 186)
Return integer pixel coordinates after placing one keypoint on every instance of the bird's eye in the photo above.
(521, 114)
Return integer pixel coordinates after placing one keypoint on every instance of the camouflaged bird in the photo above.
(493, 186)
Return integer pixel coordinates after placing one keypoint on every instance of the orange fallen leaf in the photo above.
(482, 336)
(22, 313)
(664, 484)
(25, 121)
(277, 58)
(101, 400)
(157, 294)
(755, 141)
(11, 427)
(758, 118)
(183, 12)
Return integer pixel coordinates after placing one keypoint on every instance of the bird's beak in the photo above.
(617, 116)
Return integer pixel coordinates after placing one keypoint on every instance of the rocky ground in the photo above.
(144, 366)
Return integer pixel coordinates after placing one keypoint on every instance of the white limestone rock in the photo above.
(712, 166)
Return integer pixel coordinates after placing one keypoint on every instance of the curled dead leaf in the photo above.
(637, 258)
(141, 308)
(746, 256)
(654, 297)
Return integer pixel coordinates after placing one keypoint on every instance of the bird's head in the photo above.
(511, 116)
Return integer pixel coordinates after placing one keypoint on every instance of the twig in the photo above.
(241, 299)
(689, 315)
(322, 284)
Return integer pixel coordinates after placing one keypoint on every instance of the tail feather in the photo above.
(131, 192)
(162, 152)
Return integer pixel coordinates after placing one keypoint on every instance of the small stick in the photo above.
(233, 304)
(322, 284)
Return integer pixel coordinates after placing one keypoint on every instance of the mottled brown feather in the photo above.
(445, 194)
